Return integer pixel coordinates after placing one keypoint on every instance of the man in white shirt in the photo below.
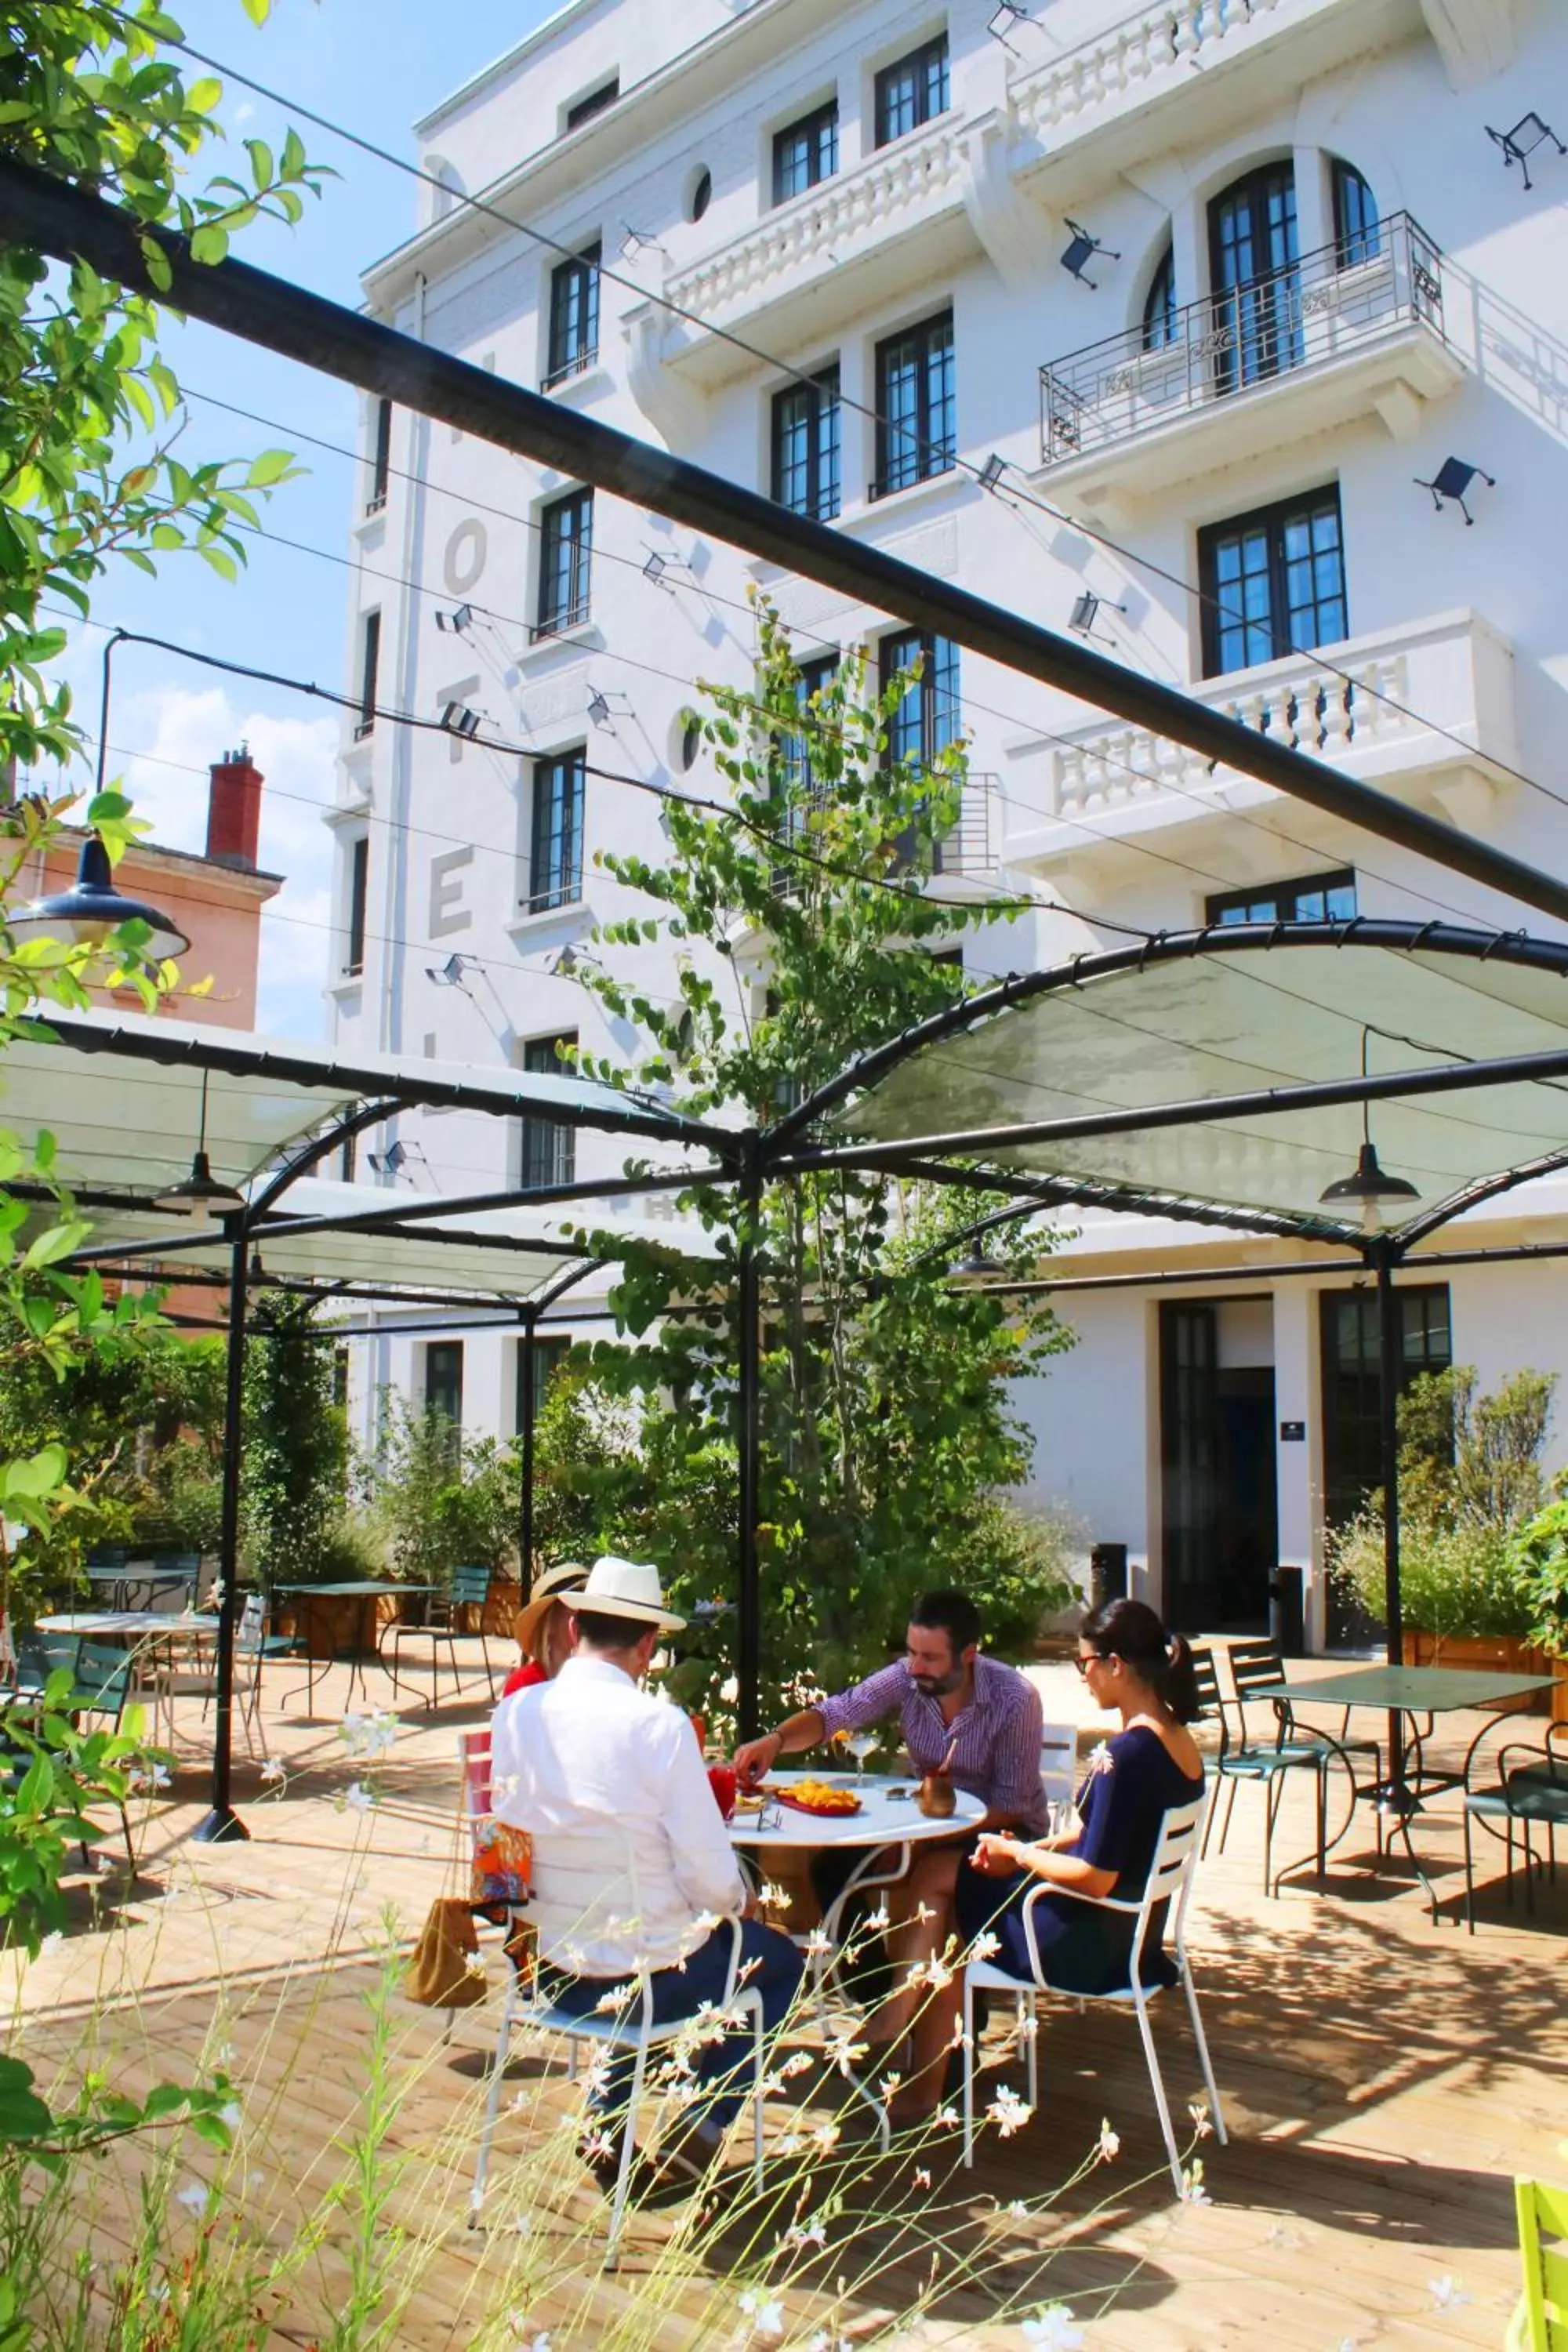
(633, 1868)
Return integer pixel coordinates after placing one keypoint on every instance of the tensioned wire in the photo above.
(728, 813)
(1016, 491)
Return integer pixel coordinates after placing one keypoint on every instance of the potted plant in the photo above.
(1470, 1481)
(1540, 1566)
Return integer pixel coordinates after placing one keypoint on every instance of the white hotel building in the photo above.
(1223, 282)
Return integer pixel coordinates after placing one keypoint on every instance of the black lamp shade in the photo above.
(976, 1264)
(92, 910)
(200, 1194)
(1369, 1191)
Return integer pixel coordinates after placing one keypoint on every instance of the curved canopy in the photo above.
(1234, 1067)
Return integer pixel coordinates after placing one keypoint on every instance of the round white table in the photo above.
(890, 1824)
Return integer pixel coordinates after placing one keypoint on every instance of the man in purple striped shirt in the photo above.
(948, 1697)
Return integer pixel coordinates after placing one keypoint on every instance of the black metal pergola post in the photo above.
(220, 1822)
(749, 1435)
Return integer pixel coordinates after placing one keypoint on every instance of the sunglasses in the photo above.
(1096, 1658)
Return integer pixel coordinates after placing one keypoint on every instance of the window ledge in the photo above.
(923, 493)
(583, 383)
(580, 633)
(347, 985)
(527, 925)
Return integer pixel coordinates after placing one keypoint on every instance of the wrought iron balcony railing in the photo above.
(970, 849)
(1324, 307)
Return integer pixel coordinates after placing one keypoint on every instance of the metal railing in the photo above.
(578, 364)
(969, 848)
(1323, 307)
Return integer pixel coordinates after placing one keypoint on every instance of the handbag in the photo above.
(502, 1872)
(439, 1975)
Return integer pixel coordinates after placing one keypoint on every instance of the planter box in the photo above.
(1503, 1654)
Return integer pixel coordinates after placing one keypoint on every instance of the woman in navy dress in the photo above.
(1151, 1767)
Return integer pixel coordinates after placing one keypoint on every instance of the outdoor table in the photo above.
(136, 1583)
(367, 1591)
(1404, 1693)
(152, 1634)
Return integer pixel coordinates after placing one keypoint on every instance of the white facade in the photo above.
(1371, 356)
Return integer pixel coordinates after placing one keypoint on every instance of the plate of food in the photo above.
(818, 1796)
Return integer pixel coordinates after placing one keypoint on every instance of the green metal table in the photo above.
(1405, 1693)
(366, 1590)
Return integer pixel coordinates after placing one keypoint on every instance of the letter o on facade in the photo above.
(465, 558)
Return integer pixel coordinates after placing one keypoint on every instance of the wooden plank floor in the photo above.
(1383, 2080)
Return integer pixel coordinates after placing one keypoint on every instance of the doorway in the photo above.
(1353, 1463)
(1219, 1503)
(1253, 279)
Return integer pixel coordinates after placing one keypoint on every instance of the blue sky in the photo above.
(375, 66)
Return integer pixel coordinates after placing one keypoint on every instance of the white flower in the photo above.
(985, 1946)
(51, 1943)
(826, 2137)
(358, 1799)
(797, 2063)
(888, 2085)
(924, 1911)
(774, 1898)
(616, 1998)
(766, 2318)
(842, 2049)
(230, 2115)
(1018, 2209)
(273, 1768)
(921, 2179)
(1193, 2189)
(368, 1735)
(1052, 2331)
(1100, 1759)
(1446, 2292)
(878, 1919)
(1008, 2112)
(1109, 2143)
(148, 1777)
(805, 2233)
(817, 1945)
(195, 2196)
(1199, 2111)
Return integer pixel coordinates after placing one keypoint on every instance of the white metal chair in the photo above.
(1058, 1762)
(1170, 1880)
(639, 2032)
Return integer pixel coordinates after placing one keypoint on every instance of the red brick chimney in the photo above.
(234, 810)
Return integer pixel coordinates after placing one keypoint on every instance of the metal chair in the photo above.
(102, 1677)
(254, 1644)
(624, 2031)
(1170, 1880)
(1540, 2322)
(1058, 1762)
(1267, 1767)
(470, 1588)
(1536, 1790)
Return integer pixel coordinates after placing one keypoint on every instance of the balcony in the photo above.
(802, 270)
(1314, 348)
(1423, 711)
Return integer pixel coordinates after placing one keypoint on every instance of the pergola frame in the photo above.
(748, 1160)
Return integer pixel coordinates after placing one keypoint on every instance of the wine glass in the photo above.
(860, 1744)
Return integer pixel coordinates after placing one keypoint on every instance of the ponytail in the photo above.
(1129, 1630)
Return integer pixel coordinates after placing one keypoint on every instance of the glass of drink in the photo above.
(860, 1744)
(723, 1781)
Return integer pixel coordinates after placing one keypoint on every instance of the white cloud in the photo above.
(178, 734)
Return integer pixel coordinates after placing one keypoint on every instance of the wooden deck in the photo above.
(1383, 2079)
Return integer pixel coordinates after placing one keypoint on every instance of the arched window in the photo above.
(1160, 308)
(1254, 282)
(1357, 233)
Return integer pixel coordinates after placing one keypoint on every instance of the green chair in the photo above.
(103, 1681)
(1265, 1764)
(470, 1588)
(1540, 2322)
(1535, 1789)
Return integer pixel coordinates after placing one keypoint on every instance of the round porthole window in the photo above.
(702, 194)
(690, 743)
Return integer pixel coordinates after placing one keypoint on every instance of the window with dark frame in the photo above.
(912, 91)
(574, 315)
(369, 669)
(358, 894)
(547, 1147)
(555, 832)
(444, 1382)
(565, 563)
(811, 678)
(595, 103)
(381, 459)
(1314, 899)
(1273, 582)
(806, 446)
(549, 1355)
(927, 719)
(806, 151)
(1357, 235)
(917, 433)
(1159, 305)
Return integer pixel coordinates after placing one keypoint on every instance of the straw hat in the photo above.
(558, 1583)
(627, 1588)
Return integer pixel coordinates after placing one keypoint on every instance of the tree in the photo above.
(295, 1464)
(889, 1437)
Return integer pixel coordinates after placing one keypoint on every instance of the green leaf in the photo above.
(261, 165)
(272, 466)
(209, 244)
(204, 95)
(159, 271)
